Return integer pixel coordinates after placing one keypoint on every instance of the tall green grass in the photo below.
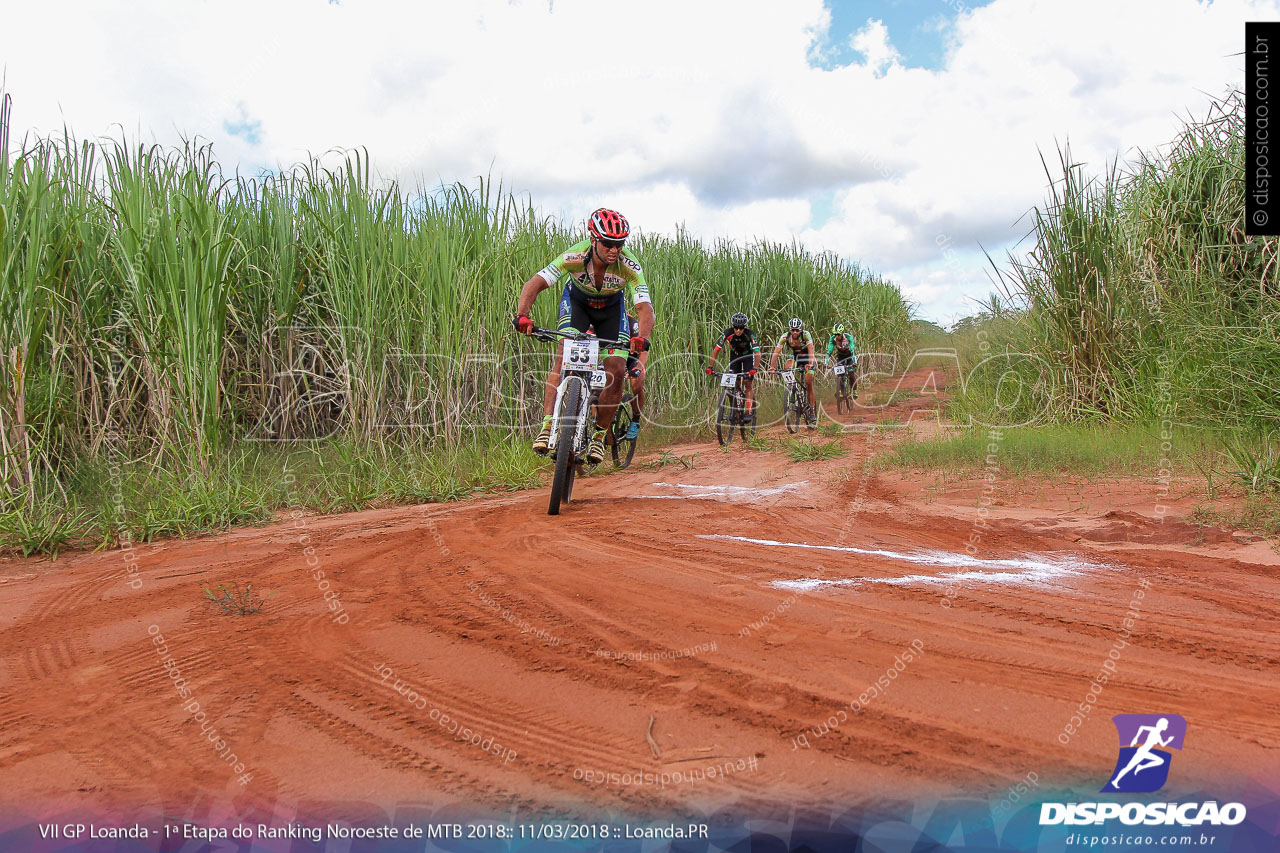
(1143, 299)
(159, 312)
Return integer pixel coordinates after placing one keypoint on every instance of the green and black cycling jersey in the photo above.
(623, 278)
(841, 353)
(585, 302)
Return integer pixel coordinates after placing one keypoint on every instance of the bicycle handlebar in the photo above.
(548, 335)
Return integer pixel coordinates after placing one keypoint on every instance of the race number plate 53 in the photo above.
(727, 379)
(838, 369)
(788, 377)
(581, 355)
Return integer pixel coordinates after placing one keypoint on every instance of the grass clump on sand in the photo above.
(1088, 449)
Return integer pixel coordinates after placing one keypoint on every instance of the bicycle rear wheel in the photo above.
(562, 480)
(623, 448)
(748, 421)
(724, 417)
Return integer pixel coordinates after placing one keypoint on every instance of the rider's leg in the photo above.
(611, 394)
(571, 319)
(637, 405)
(543, 440)
(749, 387)
(808, 385)
(607, 406)
(553, 383)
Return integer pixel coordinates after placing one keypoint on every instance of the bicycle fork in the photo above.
(582, 415)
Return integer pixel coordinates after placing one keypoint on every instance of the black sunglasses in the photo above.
(611, 244)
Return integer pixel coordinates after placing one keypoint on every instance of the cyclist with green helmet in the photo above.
(840, 344)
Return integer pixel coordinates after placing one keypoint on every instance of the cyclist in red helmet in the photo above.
(596, 277)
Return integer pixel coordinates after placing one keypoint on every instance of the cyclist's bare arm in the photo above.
(773, 361)
(530, 292)
(644, 318)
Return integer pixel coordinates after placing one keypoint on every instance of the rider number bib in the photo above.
(581, 355)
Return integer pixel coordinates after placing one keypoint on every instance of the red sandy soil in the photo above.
(572, 642)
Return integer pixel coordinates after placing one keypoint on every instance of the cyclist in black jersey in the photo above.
(744, 355)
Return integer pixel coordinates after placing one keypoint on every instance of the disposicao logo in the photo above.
(1143, 765)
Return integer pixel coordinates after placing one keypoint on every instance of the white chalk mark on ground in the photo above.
(724, 492)
(1027, 570)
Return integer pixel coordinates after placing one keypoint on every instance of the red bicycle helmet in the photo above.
(608, 225)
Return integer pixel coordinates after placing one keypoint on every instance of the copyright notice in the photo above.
(1262, 40)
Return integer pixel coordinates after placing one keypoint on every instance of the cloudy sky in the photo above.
(901, 135)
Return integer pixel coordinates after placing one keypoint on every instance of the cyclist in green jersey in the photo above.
(801, 344)
(596, 277)
(840, 344)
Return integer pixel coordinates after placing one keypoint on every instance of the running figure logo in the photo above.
(1143, 765)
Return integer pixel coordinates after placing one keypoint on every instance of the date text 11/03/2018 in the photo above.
(570, 831)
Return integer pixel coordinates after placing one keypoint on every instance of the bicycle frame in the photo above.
(797, 377)
(592, 380)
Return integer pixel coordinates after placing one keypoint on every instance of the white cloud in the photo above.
(708, 114)
(872, 41)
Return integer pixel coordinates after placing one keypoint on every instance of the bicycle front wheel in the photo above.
(724, 418)
(562, 480)
(794, 412)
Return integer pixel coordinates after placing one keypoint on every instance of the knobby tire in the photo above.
(562, 480)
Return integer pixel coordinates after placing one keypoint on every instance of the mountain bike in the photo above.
(731, 411)
(797, 400)
(581, 380)
(846, 379)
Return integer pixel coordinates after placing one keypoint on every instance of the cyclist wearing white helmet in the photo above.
(596, 275)
(801, 344)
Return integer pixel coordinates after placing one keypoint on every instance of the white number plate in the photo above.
(788, 377)
(599, 379)
(838, 370)
(582, 355)
(727, 380)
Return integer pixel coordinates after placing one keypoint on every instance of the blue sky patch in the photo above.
(822, 207)
(917, 28)
(248, 129)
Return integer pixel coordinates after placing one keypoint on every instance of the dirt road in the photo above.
(734, 630)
